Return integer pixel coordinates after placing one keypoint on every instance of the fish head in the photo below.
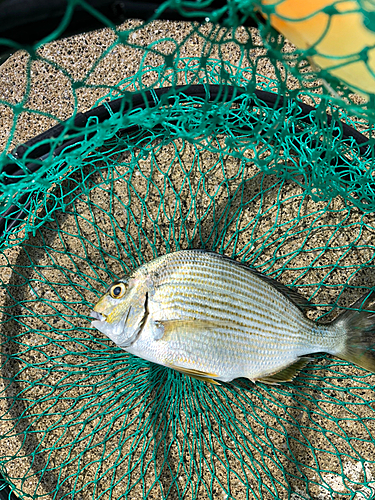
(121, 312)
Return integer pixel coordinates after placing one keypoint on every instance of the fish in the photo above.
(216, 319)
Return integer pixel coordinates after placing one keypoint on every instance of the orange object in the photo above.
(339, 34)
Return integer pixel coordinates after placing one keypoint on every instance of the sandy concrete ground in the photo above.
(313, 432)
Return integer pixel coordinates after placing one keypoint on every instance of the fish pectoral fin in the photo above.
(162, 329)
(286, 374)
(197, 374)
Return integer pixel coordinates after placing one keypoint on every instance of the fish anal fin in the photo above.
(286, 374)
(197, 374)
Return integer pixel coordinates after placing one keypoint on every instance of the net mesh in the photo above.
(257, 163)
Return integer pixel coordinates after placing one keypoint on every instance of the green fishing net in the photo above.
(174, 135)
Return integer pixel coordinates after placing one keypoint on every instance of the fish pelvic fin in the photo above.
(360, 333)
(286, 374)
(197, 374)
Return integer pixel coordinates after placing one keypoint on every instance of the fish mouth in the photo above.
(98, 316)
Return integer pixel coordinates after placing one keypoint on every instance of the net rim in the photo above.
(134, 101)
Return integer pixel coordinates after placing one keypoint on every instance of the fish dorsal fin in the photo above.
(197, 374)
(286, 374)
(298, 300)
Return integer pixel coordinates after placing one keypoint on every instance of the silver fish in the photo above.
(215, 319)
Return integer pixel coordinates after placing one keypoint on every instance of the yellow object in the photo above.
(338, 33)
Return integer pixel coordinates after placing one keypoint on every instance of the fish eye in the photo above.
(117, 290)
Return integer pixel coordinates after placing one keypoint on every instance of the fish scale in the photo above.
(198, 290)
(262, 296)
(213, 318)
(184, 302)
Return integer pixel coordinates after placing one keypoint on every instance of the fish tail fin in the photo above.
(360, 333)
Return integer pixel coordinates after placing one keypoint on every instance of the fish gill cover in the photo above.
(226, 137)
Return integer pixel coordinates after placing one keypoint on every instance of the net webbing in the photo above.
(245, 152)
